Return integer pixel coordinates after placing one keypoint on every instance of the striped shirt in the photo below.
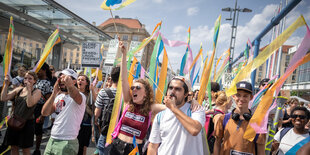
(103, 98)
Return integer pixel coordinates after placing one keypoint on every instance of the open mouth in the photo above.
(135, 95)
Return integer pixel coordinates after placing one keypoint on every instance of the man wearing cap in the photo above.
(177, 130)
(230, 128)
(69, 105)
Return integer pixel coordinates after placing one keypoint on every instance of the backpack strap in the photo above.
(226, 118)
(283, 132)
(109, 93)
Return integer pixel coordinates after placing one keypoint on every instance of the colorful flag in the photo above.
(185, 56)
(207, 68)
(193, 65)
(162, 80)
(135, 151)
(51, 42)
(106, 5)
(9, 49)
(263, 56)
(299, 58)
(131, 71)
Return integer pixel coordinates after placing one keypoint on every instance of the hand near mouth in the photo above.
(170, 101)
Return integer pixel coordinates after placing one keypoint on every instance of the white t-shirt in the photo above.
(68, 118)
(288, 140)
(174, 138)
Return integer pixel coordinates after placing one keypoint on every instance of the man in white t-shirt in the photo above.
(69, 105)
(177, 130)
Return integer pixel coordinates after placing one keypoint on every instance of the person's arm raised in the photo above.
(5, 96)
(48, 107)
(124, 74)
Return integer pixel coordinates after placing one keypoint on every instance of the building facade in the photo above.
(132, 33)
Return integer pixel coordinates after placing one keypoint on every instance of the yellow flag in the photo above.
(267, 100)
(264, 55)
(162, 79)
(131, 71)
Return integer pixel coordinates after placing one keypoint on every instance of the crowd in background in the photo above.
(42, 99)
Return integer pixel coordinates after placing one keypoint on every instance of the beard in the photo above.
(64, 89)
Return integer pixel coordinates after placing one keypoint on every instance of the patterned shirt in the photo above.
(45, 87)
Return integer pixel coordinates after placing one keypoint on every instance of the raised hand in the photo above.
(7, 80)
(122, 47)
(56, 89)
(67, 80)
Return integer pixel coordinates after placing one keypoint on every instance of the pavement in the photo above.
(90, 150)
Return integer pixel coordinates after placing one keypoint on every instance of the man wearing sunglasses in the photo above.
(289, 140)
(177, 129)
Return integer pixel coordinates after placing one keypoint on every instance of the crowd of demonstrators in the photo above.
(24, 98)
(177, 130)
(292, 138)
(174, 127)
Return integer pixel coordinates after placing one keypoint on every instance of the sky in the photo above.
(200, 15)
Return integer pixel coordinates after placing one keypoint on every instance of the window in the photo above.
(293, 77)
(77, 54)
(30, 44)
(286, 64)
(65, 54)
(125, 37)
(18, 37)
(259, 79)
(260, 68)
(37, 45)
(24, 45)
(287, 58)
(259, 74)
(71, 54)
(78, 49)
(76, 61)
(65, 60)
(295, 71)
(135, 38)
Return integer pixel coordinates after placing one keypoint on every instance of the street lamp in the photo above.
(234, 28)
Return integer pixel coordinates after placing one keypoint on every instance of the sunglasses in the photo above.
(300, 116)
(135, 87)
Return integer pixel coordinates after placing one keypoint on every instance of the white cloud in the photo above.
(293, 41)
(192, 11)
(158, 1)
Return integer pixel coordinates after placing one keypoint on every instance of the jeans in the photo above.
(101, 144)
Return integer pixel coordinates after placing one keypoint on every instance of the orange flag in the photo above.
(131, 71)
(267, 99)
(162, 79)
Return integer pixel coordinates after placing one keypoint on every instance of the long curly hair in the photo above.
(145, 108)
